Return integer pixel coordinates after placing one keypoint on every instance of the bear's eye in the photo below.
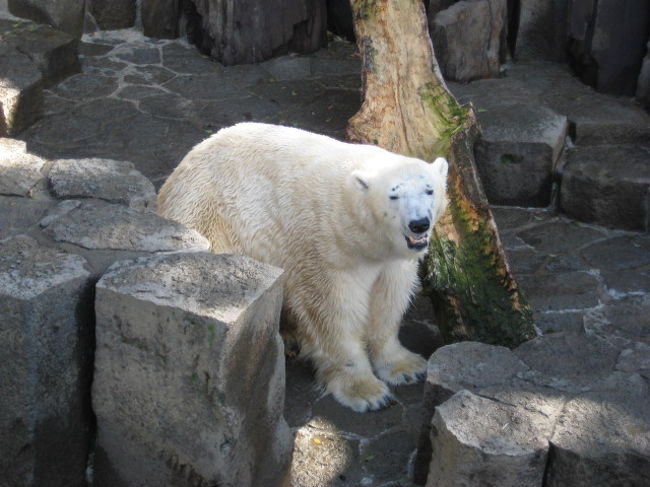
(429, 192)
(393, 197)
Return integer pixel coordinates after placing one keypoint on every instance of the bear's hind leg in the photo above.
(331, 321)
(389, 300)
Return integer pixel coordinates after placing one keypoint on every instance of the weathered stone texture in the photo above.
(160, 18)
(98, 225)
(112, 14)
(541, 33)
(468, 38)
(45, 367)
(65, 15)
(105, 179)
(643, 83)
(203, 398)
(21, 172)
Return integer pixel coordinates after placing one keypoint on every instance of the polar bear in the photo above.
(347, 223)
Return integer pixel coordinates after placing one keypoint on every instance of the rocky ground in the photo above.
(148, 102)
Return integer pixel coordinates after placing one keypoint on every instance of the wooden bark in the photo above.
(407, 109)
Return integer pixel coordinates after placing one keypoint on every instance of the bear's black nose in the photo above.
(419, 226)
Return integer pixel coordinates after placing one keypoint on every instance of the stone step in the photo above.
(608, 185)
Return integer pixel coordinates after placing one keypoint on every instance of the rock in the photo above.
(21, 95)
(65, 15)
(627, 319)
(46, 327)
(467, 38)
(566, 291)
(643, 83)
(93, 224)
(606, 42)
(541, 33)
(601, 439)
(160, 18)
(452, 368)
(105, 179)
(17, 215)
(21, 172)
(486, 441)
(54, 52)
(607, 185)
(112, 14)
(202, 402)
(517, 153)
(247, 31)
(339, 19)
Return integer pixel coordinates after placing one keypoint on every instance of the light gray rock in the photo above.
(486, 441)
(17, 214)
(46, 328)
(65, 15)
(607, 185)
(602, 439)
(94, 224)
(467, 38)
(202, 401)
(105, 179)
(21, 95)
(21, 172)
(518, 151)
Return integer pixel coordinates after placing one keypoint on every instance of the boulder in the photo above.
(468, 38)
(98, 225)
(541, 33)
(21, 94)
(248, 31)
(518, 152)
(21, 172)
(46, 328)
(105, 179)
(160, 18)
(607, 42)
(203, 398)
(643, 83)
(112, 14)
(608, 185)
(65, 15)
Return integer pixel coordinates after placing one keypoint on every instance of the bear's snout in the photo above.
(420, 226)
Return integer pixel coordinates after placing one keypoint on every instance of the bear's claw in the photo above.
(360, 393)
(409, 368)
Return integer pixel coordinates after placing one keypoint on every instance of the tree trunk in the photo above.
(407, 109)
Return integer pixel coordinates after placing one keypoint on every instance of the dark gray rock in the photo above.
(54, 52)
(98, 225)
(607, 42)
(22, 173)
(467, 38)
(607, 185)
(643, 83)
(105, 179)
(562, 290)
(541, 33)
(630, 252)
(239, 32)
(561, 236)
(65, 15)
(160, 18)
(112, 14)
(202, 402)
(627, 319)
(21, 95)
(46, 326)
(517, 153)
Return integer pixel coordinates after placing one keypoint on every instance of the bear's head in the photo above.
(406, 197)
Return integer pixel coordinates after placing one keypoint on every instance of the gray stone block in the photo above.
(21, 95)
(98, 225)
(607, 185)
(112, 14)
(54, 52)
(517, 153)
(643, 83)
(541, 33)
(65, 15)
(160, 18)
(105, 179)
(21, 172)
(501, 440)
(17, 214)
(467, 38)
(202, 401)
(46, 328)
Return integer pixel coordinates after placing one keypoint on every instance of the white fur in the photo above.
(322, 210)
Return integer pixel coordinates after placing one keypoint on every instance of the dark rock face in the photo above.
(606, 42)
(112, 14)
(65, 15)
(541, 29)
(160, 18)
(339, 19)
(241, 32)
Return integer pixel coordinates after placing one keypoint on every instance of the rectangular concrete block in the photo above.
(45, 365)
(189, 373)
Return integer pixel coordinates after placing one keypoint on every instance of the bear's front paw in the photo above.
(406, 368)
(360, 392)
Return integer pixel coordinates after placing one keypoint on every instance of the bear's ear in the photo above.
(360, 179)
(439, 168)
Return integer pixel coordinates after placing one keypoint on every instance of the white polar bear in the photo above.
(346, 222)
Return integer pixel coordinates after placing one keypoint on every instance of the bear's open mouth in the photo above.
(417, 243)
